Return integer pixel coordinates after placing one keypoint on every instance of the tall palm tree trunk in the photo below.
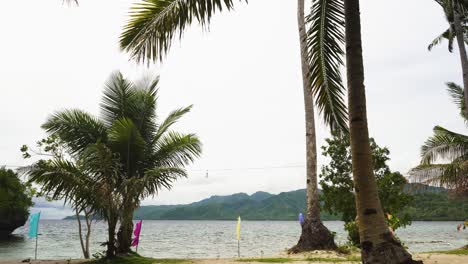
(377, 243)
(314, 234)
(464, 60)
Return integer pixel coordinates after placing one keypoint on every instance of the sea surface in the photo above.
(58, 239)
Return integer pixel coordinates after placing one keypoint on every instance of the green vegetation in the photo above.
(447, 147)
(15, 200)
(335, 260)
(338, 187)
(429, 204)
(266, 260)
(137, 259)
(123, 156)
(460, 251)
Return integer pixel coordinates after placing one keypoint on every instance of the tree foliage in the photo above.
(15, 200)
(444, 156)
(338, 187)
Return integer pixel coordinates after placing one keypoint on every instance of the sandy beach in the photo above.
(318, 257)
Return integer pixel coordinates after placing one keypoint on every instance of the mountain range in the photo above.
(430, 203)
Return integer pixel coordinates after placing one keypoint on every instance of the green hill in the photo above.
(430, 203)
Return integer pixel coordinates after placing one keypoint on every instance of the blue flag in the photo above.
(34, 225)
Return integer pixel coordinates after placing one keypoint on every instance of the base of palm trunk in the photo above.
(315, 236)
(389, 252)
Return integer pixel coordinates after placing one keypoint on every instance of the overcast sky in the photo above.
(243, 77)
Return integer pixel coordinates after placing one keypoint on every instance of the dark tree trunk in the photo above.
(377, 243)
(464, 60)
(314, 236)
(124, 236)
(112, 224)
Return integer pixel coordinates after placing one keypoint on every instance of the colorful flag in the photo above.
(136, 239)
(301, 218)
(34, 225)
(238, 228)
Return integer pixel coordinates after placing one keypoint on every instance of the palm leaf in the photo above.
(76, 129)
(176, 150)
(117, 97)
(154, 24)
(457, 95)
(444, 144)
(170, 120)
(325, 52)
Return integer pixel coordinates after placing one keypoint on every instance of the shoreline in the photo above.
(449, 257)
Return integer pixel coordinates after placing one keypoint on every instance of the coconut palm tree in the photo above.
(378, 245)
(155, 23)
(126, 148)
(455, 12)
(447, 146)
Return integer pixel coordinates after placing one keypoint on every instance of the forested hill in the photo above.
(430, 203)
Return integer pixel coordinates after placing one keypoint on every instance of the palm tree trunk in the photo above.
(464, 60)
(314, 234)
(377, 243)
(89, 221)
(124, 235)
(111, 225)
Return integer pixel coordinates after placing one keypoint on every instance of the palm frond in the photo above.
(77, 129)
(143, 107)
(456, 93)
(154, 24)
(158, 178)
(325, 51)
(176, 150)
(115, 103)
(170, 120)
(448, 35)
(451, 176)
(126, 139)
(444, 144)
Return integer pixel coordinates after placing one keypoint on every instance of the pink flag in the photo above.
(136, 239)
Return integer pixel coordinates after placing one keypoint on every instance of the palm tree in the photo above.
(455, 12)
(63, 179)
(377, 243)
(313, 49)
(127, 149)
(448, 146)
(155, 23)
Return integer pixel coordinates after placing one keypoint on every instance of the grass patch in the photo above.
(460, 251)
(335, 260)
(137, 259)
(266, 260)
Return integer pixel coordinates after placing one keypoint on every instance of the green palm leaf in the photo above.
(444, 144)
(154, 24)
(456, 93)
(170, 120)
(325, 52)
(77, 129)
(116, 102)
(176, 150)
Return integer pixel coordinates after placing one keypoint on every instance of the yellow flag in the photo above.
(238, 228)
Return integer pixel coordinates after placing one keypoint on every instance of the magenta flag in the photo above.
(136, 239)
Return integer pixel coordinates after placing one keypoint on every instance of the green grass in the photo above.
(137, 259)
(460, 251)
(266, 260)
(335, 260)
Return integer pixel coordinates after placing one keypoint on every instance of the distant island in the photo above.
(430, 204)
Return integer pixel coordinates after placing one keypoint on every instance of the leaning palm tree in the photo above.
(455, 12)
(155, 23)
(127, 146)
(378, 245)
(447, 146)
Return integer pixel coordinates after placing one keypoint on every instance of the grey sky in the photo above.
(242, 76)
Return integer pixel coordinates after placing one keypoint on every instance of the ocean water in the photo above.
(58, 239)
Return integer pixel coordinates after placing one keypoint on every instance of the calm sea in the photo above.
(58, 239)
